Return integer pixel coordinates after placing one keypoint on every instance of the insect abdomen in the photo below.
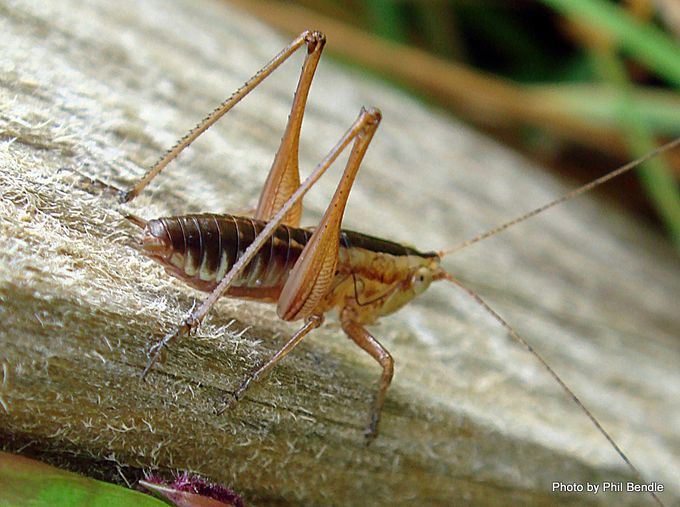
(200, 249)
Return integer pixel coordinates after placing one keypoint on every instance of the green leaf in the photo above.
(28, 483)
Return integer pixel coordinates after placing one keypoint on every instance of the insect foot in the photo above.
(157, 348)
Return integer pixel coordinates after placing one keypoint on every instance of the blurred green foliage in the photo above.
(627, 46)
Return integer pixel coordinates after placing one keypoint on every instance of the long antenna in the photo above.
(570, 195)
(554, 375)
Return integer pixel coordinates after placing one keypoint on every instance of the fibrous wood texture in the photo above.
(102, 88)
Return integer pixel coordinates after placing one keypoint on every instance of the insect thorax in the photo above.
(377, 283)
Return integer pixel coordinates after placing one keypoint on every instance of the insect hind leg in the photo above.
(308, 38)
(284, 175)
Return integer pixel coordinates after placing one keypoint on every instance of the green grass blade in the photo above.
(655, 175)
(644, 42)
(26, 482)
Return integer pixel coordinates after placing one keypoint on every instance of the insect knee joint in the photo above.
(316, 319)
(373, 113)
(314, 39)
(387, 364)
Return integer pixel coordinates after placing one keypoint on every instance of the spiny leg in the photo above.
(108, 189)
(366, 341)
(306, 38)
(366, 121)
(311, 323)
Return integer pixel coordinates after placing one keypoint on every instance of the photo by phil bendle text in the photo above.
(605, 487)
(267, 257)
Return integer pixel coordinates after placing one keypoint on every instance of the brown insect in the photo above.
(308, 272)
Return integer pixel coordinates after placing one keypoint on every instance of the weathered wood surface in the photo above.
(103, 87)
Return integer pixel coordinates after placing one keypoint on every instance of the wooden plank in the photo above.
(471, 419)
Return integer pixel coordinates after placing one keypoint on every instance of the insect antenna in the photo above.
(553, 374)
(521, 218)
(566, 197)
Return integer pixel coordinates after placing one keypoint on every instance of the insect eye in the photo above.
(421, 280)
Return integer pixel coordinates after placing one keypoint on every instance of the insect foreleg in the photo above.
(311, 39)
(365, 121)
(366, 341)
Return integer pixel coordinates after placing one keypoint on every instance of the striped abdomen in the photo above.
(200, 250)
